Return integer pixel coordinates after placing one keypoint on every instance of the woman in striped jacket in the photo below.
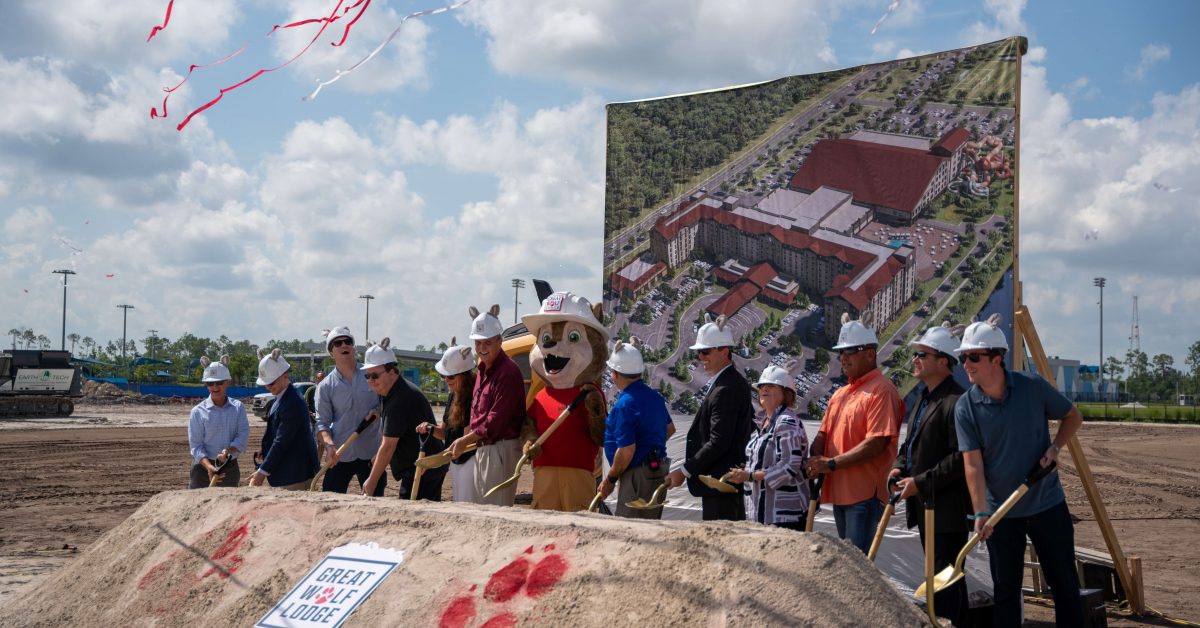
(775, 457)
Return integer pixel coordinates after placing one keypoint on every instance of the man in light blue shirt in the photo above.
(343, 400)
(218, 430)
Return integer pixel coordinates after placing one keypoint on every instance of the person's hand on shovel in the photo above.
(1051, 456)
(212, 469)
(606, 488)
(675, 478)
(907, 487)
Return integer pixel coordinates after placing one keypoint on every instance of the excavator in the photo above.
(38, 383)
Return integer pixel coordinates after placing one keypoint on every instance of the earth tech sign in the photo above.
(58, 380)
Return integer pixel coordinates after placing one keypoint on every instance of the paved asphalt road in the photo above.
(901, 557)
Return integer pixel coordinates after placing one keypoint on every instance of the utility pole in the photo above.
(154, 336)
(367, 326)
(64, 272)
(1099, 283)
(124, 328)
(517, 284)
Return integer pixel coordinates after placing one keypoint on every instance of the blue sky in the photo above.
(471, 151)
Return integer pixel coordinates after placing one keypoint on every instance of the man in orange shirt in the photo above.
(857, 440)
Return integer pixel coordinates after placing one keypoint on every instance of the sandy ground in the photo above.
(64, 488)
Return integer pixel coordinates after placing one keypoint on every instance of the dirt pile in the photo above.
(106, 393)
(227, 556)
(93, 389)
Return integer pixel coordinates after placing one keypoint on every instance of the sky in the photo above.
(470, 151)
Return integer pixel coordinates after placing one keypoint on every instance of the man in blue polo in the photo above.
(1003, 431)
(635, 435)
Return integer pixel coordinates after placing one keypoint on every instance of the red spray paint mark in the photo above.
(545, 575)
(507, 582)
(228, 547)
(503, 620)
(528, 550)
(548, 548)
(459, 613)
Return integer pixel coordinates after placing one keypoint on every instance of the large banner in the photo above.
(885, 191)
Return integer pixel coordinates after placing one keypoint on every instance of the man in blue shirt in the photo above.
(635, 435)
(1003, 430)
(218, 429)
(343, 399)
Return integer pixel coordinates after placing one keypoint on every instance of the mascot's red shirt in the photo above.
(570, 445)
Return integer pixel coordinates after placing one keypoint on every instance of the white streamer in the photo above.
(382, 45)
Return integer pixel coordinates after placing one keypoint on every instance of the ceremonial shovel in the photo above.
(540, 441)
(641, 504)
(720, 485)
(441, 459)
(216, 476)
(950, 575)
(362, 425)
(595, 502)
(883, 522)
(814, 500)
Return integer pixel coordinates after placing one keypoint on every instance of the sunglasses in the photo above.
(975, 357)
(215, 384)
(704, 352)
(341, 342)
(852, 350)
(372, 376)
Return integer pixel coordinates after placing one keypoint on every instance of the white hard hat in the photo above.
(854, 334)
(983, 335)
(564, 306)
(215, 371)
(940, 339)
(338, 332)
(485, 325)
(379, 355)
(774, 375)
(713, 334)
(455, 360)
(626, 358)
(271, 366)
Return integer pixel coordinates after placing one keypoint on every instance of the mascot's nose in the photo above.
(549, 344)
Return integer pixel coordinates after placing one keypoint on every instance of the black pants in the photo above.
(337, 478)
(951, 602)
(723, 508)
(198, 478)
(431, 484)
(1053, 537)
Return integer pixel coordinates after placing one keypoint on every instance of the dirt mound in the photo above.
(227, 556)
(93, 389)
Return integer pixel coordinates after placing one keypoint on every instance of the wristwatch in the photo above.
(832, 464)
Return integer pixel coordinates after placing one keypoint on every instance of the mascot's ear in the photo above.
(473, 312)
(598, 311)
(636, 342)
(845, 317)
(261, 354)
(204, 361)
(721, 322)
(494, 310)
(465, 352)
(385, 342)
(225, 359)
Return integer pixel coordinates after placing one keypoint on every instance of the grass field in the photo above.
(1157, 413)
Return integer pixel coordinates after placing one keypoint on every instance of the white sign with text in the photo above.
(334, 588)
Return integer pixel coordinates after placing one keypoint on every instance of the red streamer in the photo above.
(166, 20)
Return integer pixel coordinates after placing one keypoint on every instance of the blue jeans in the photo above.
(1053, 537)
(857, 522)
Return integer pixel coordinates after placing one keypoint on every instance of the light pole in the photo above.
(64, 272)
(367, 326)
(154, 336)
(517, 284)
(1099, 283)
(124, 328)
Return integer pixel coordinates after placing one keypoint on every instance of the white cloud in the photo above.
(1150, 56)
(1006, 22)
(668, 45)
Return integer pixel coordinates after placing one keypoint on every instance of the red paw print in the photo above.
(524, 575)
(324, 595)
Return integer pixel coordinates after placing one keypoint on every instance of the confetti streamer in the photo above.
(192, 68)
(110, 276)
(891, 9)
(340, 73)
(166, 20)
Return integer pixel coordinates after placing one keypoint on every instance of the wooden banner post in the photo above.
(1023, 327)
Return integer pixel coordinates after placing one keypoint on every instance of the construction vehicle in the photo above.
(38, 383)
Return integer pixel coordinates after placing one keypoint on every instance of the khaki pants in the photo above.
(641, 482)
(494, 464)
(298, 486)
(568, 489)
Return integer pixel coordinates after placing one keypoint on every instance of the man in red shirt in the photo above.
(857, 440)
(497, 411)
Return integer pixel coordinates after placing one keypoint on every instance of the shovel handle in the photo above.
(883, 523)
(1038, 472)
(312, 486)
(417, 479)
(595, 503)
(541, 440)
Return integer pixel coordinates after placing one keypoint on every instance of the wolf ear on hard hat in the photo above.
(494, 310)
(204, 361)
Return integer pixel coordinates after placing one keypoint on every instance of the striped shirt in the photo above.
(779, 447)
(212, 428)
(341, 406)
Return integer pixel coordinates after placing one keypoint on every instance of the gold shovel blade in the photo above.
(941, 580)
(717, 485)
(595, 503)
(510, 481)
(641, 504)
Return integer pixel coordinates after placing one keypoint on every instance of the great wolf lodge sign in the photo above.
(886, 191)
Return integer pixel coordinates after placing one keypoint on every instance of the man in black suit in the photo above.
(716, 442)
(930, 466)
(289, 449)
